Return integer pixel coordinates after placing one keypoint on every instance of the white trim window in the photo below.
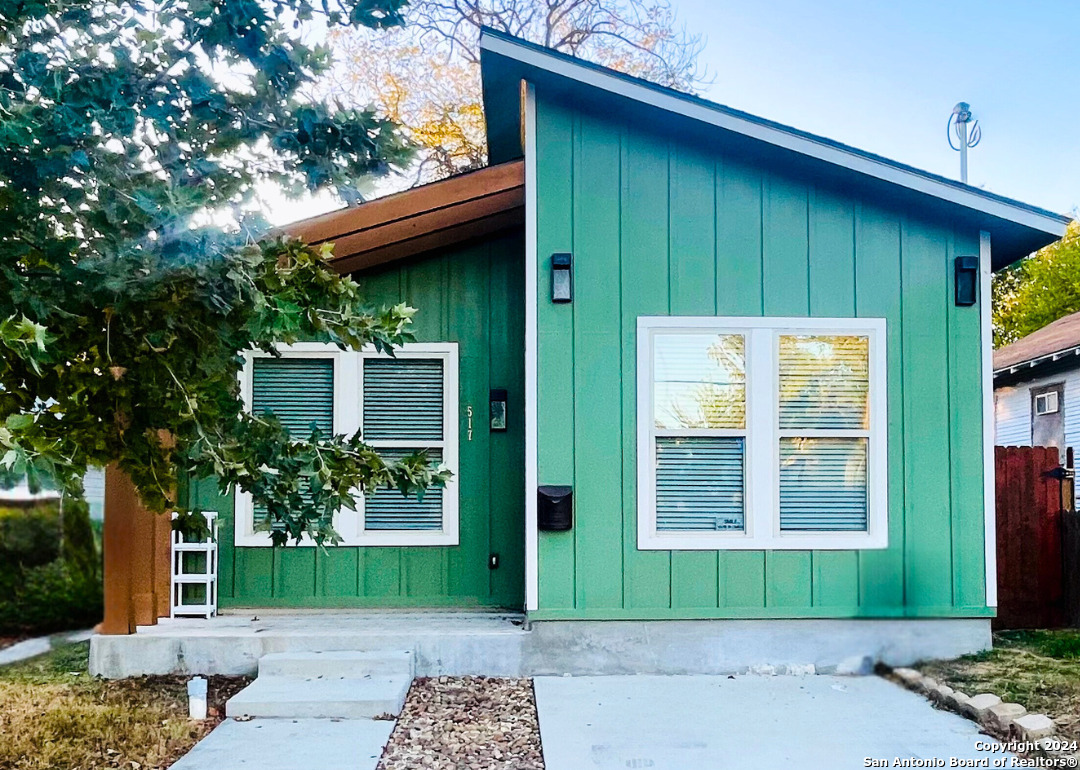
(402, 404)
(1046, 403)
(762, 433)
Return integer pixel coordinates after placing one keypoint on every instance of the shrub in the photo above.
(29, 537)
(53, 597)
(50, 568)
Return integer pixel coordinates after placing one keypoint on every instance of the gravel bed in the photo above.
(466, 723)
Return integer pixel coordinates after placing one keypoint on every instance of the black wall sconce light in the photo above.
(967, 280)
(562, 279)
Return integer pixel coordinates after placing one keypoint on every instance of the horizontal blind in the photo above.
(824, 382)
(389, 509)
(300, 393)
(699, 380)
(403, 399)
(823, 484)
(699, 483)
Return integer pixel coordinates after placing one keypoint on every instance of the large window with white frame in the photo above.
(401, 404)
(762, 433)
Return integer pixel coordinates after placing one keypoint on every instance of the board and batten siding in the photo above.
(659, 225)
(472, 295)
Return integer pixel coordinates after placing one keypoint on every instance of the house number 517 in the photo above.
(468, 411)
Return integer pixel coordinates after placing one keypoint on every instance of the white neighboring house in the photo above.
(93, 487)
(1037, 388)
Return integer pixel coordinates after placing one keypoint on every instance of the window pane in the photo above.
(824, 381)
(823, 484)
(403, 399)
(389, 509)
(699, 381)
(699, 483)
(299, 391)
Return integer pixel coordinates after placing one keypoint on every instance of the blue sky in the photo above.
(884, 76)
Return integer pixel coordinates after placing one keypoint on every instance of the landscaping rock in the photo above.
(466, 722)
(1002, 716)
(926, 685)
(956, 700)
(977, 705)
(909, 676)
(940, 693)
(858, 665)
(1047, 747)
(1033, 727)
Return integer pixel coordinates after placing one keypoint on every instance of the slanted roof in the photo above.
(1017, 229)
(422, 219)
(1053, 342)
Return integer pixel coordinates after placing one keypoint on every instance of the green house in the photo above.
(686, 364)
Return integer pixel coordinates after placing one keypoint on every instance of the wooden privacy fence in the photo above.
(1031, 570)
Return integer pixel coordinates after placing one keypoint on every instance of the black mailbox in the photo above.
(555, 508)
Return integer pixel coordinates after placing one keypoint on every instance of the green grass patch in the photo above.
(1038, 669)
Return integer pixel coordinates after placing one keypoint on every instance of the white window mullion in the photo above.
(348, 409)
(762, 498)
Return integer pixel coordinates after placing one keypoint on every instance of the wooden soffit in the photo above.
(422, 219)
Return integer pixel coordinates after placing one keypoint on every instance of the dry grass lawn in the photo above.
(53, 714)
(1038, 669)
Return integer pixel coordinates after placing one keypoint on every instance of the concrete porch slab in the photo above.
(459, 643)
(499, 644)
(751, 722)
(290, 744)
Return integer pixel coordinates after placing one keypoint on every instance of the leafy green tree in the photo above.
(134, 137)
(1038, 290)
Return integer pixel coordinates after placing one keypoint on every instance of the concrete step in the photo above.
(337, 665)
(320, 698)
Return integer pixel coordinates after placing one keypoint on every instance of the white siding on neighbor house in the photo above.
(93, 487)
(94, 490)
(1012, 415)
(1012, 412)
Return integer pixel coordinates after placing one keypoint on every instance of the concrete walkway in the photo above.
(31, 648)
(290, 744)
(745, 722)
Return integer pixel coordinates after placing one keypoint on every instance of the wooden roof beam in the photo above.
(422, 219)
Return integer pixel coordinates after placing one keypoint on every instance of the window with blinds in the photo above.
(403, 413)
(824, 427)
(699, 423)
(300, 393)
(761, 433)
(400, 405)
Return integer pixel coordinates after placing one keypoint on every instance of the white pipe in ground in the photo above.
(196, 690)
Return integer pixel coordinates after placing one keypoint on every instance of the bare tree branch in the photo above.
(426, 75)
